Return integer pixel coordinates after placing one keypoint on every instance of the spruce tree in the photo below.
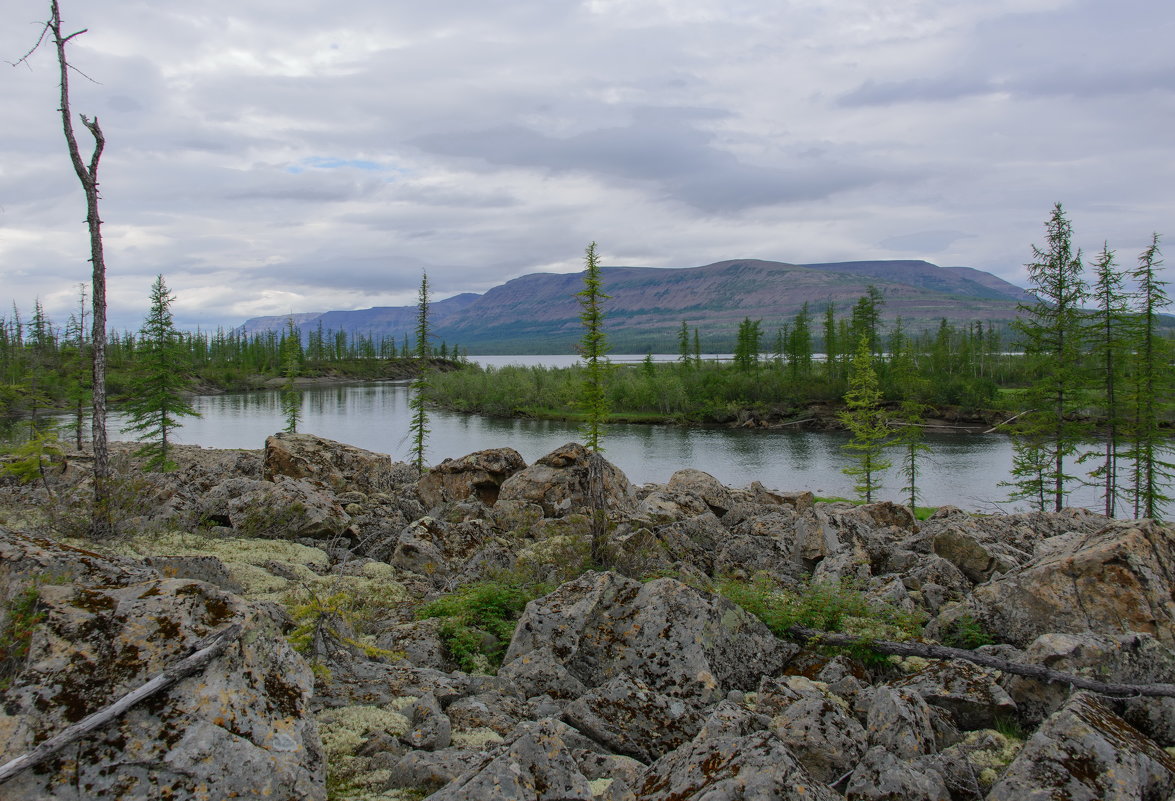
(1054, 341)
(419, 386)
(291, 367)
(1108, 347)
(155, 402)
(866, 422)
(1150, 393)
(593, 348)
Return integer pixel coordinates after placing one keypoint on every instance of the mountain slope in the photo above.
(539, 313)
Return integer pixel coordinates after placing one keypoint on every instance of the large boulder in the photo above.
(730, 759)
(1084, 752)
(1115, 580)
(479, 475)
(238, 728)
(677, 640)
(282, 509)
(336, 465)
(558, 482)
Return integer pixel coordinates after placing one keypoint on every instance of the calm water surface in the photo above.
(960, 470)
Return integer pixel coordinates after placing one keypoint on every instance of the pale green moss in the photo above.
(478, 739)
(346, 728)
(599, 786)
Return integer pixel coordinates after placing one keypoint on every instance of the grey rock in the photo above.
(822, 735)
(727, 768)
(677, 640)
(431, 728)
(198, 568)
(479, 475)
(332, 464)
(971, 694)
(534, 763)
(703, 485)
(1084, 752)
(631, 719)
(431, 770)
(285, 509)
(900, 722)
(881, 776)
(420, 642)
(558, 482)
(541, 672)
(487, 710)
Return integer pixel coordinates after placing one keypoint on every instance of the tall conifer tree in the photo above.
(1054, 339)
(156, 402)
(419, 402)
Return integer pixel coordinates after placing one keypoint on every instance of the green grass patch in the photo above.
(478, 620)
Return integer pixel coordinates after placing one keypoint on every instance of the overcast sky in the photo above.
(274, 157)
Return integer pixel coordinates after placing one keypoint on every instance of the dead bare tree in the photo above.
(101, 524)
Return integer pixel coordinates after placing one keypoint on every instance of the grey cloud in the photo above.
(923, 241)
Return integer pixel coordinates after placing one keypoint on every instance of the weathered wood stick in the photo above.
(996, 427)
(207, 650)
(927, 651)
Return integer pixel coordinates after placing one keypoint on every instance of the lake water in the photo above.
(964, 470)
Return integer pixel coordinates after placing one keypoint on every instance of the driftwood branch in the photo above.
(998, 426)
(927, 651)
(207, 650)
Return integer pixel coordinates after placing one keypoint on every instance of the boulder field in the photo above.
(448, 636)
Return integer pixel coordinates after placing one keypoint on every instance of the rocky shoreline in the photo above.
(640, 681)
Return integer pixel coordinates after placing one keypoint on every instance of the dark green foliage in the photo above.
(1054, 341)
(593, 348)
(479, 620)
(748, 345)
(291, 398)
(420, 387)
(966, 632)
(827, 606)
(1150, 393)
(155, 401)
(1109, 348)
(866, 421)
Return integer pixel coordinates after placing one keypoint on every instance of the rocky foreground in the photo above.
(639, 682)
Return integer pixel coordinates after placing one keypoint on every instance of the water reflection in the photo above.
(961, 470)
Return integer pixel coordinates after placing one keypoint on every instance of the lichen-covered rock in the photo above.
(881, 776)
(631, 719)
(900, 722)
(197, 568)
(478, 474)
(558, 482)
(702, 485)
(534, 764)
(493, 710)
(979, 558)
(721, 764)
(431, 728)
(1115, 580)
(429, 546)
(238, 728)
(1084, 752)
(970, 694)
(285, 509)
(420, 643)
(539, 672)
(677, 640)
(822, 735)
(1121, 659)
(333, 464)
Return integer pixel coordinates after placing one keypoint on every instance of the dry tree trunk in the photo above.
(101, 525)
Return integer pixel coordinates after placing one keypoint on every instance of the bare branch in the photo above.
(928, 651)
(207, 650)
(40, 39)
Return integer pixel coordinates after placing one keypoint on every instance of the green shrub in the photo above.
(479, 620)
(826, 606)
(25, 614)
(966, 632)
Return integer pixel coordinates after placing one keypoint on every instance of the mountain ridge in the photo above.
(538, 312)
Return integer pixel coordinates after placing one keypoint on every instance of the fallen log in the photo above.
(205, 652)
(928, 651)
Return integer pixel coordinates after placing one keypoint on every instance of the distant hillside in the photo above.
(538, 313)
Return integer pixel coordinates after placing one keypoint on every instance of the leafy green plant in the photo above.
(479, 619)
(966, 632)
(826, 606)
(337, 615)
(25, 614)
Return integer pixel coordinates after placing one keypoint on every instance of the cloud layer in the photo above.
(301, 156)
